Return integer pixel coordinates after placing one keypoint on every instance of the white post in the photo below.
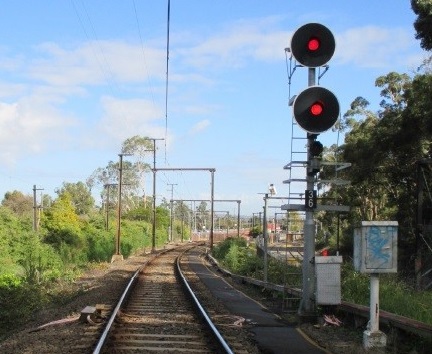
(372, 336)
(374, 303)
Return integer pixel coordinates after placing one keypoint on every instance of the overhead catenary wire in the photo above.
(167, 74)
(100, 58)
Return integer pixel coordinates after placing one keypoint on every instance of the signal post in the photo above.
(315, 109)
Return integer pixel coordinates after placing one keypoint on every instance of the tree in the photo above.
(80, 195)
(202, 216)
(133, 171)
(384, 148)
(423, 10)
(62, 223)
(20, 204)
(36, 257)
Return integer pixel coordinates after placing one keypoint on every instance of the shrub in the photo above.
(19, 301)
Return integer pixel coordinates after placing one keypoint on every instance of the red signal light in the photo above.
(316, 109)
(313, 44)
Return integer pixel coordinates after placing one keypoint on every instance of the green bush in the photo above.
(220, 251)
(19, 301)
(234, 254)
(395, 295)
(241, 259)
(8, 281)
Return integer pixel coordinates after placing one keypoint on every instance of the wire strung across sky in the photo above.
(166, 83)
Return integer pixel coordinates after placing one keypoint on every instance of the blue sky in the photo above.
(79, 77)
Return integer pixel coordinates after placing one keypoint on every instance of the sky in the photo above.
(78, 78)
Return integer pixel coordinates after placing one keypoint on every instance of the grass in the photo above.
(396, 296)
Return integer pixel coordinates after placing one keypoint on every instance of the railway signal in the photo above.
(316, 109)
(313, 45)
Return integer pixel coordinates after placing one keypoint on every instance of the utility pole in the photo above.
(154, 196)
(35, 207)
(272, 191)
(107, 187)
(118, 255)
(171, 209)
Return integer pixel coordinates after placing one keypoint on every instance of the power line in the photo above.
(167, 67)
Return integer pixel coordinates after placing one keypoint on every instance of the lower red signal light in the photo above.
(316, 109)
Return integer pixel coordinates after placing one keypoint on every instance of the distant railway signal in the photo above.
(313, 45)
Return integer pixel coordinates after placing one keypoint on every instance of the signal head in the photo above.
(313, 45)
(316, 109)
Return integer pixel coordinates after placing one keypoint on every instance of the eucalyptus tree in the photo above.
(135, 151)
(423, 10)
(384, 148)
(80, 195)
(20, 204)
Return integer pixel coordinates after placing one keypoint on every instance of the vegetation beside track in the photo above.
(37, 268)
(396, 295)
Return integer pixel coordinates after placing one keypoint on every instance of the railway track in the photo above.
(158, 314)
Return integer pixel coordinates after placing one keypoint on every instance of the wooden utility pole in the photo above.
(35, 208)
(118, 255)
(107, 186)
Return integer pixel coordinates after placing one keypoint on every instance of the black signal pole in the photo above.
(309, 232)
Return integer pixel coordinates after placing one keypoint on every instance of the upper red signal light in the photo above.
(313, 44)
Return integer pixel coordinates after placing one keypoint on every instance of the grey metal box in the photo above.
(328, 280)
(375, 247)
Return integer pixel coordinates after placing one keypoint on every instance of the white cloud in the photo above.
(128, 117)
(96, 63)
(29, 126)
(373, 46)
(47, 89)
(236, 45)
(199, 127)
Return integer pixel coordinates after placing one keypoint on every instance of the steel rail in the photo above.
(108, 326)
(202, 311)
